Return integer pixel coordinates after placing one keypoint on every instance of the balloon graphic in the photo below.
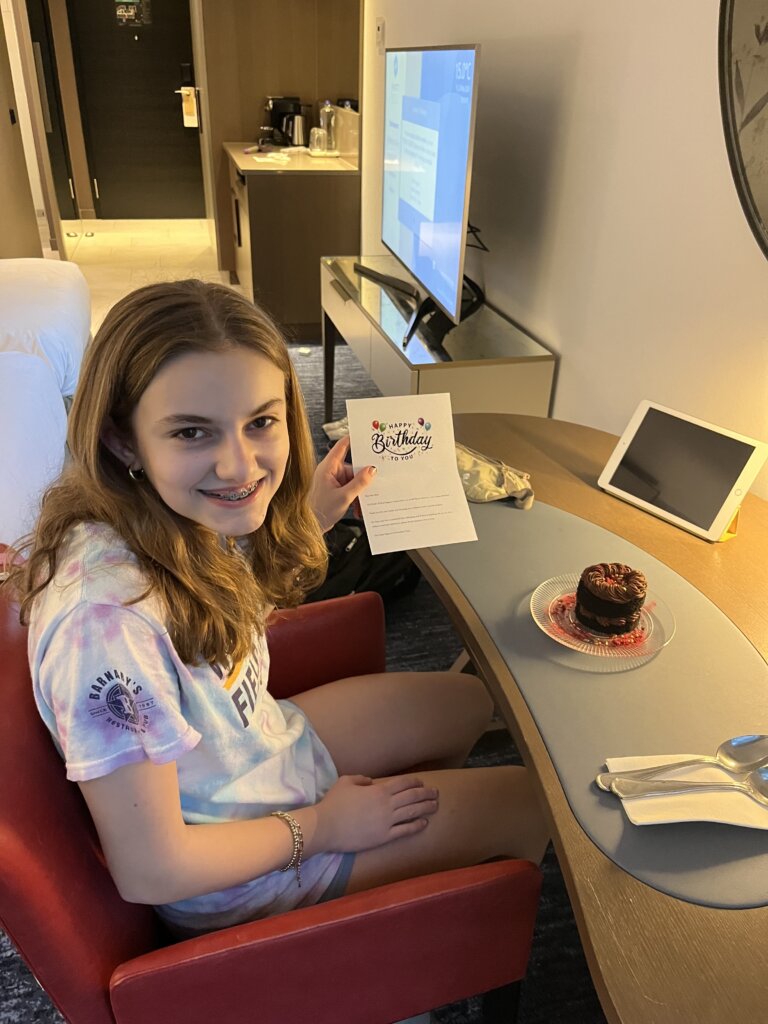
(427, 426)
(382, 427)
(375, 424)
(421, 421)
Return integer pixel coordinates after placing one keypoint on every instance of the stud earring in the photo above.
(136, 474)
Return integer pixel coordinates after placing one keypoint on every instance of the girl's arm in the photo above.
(155, 857)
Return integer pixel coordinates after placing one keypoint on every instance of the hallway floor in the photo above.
(117, 256)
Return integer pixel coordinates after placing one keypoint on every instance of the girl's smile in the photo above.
(229, 496)
(211, 435)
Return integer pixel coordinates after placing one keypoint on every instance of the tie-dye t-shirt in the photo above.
(113, 691)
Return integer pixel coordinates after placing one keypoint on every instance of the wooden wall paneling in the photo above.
(19, 236)
(338, 49)
(277, 54)
(29, 77)
(207, 156)
(220, 29)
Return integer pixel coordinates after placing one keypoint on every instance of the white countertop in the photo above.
(298, 161)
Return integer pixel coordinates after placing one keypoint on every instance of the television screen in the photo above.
(429, 119)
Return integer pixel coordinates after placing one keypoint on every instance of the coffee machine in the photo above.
(279, 115)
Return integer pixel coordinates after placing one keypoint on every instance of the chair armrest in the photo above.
(378, 955)
(323, 641)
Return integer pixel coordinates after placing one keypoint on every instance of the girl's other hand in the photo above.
(335, 486)
(359, 814)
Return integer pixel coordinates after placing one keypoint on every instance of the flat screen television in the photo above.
(430, 98)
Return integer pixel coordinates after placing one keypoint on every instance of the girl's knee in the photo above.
(469, 701)
(477, 705)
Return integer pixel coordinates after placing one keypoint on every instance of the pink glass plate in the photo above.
(552, 608)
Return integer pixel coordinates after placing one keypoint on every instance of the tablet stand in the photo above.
(732, 527)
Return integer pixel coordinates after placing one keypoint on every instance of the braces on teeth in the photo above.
(237, 496)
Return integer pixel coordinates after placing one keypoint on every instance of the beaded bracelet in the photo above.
(298, 842)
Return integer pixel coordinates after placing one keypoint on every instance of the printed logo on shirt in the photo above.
(246, 695)
(118, 701)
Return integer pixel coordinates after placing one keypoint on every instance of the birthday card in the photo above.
(416, 499)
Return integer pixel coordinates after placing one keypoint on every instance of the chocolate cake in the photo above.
(609, 598)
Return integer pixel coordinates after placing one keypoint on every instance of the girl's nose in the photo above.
(235, 460)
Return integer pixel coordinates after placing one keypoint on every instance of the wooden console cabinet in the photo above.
(284, 218)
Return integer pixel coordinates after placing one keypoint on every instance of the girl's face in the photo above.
(211, 434)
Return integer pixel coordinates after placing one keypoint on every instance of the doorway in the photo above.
(52, 108)
(130, 59)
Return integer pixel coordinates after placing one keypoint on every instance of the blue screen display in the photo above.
(429, 100)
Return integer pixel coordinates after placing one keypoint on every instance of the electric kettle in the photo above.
(294, 129)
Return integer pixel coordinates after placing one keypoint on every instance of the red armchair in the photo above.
(369, 958)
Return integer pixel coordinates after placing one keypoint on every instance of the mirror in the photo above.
(744, 102)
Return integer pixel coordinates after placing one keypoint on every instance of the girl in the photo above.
(191, 507)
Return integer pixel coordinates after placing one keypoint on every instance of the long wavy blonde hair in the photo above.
(213, 600)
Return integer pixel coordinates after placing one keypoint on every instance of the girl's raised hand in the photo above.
(359, 814)
(335, 486)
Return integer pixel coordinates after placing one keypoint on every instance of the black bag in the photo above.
(352, 567)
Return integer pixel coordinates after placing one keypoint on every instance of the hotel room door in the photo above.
(50, 99)
(130, 58)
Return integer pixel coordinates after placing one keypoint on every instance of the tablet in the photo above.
(691, 473)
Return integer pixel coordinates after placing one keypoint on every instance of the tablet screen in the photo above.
(681, 467)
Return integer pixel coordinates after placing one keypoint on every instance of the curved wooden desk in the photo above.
(654, 959)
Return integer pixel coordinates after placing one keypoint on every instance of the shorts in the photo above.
(339, 881)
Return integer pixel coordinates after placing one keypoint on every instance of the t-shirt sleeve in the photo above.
(109, 682)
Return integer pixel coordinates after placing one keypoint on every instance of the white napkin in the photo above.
(728, 808)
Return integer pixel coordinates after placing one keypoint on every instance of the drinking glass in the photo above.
(318, 140)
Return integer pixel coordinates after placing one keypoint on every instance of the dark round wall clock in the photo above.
(744, 101)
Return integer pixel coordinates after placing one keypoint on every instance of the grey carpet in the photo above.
(558, 988)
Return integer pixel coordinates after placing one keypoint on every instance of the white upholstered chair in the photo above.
(45, 317)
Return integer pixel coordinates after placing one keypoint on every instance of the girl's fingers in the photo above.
(408, 828)
(399, 783)
(338, 453)
(416, 810)
(414, 796)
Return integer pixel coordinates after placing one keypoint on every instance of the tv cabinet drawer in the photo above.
(347, 317)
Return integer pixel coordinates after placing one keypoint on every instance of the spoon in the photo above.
(755, 785)
(740, 754)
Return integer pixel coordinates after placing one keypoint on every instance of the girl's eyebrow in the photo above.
(183, 417)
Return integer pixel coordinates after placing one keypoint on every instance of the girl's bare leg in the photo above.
(384, 724)
(483, 813)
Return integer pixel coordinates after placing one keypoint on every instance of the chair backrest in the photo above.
(33, 426)
(57, 900)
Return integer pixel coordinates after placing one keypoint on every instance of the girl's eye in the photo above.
(261, 422)
(189, 433)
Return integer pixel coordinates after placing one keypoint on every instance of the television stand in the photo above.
(486, 363)
(395, 283)
(439, 324)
